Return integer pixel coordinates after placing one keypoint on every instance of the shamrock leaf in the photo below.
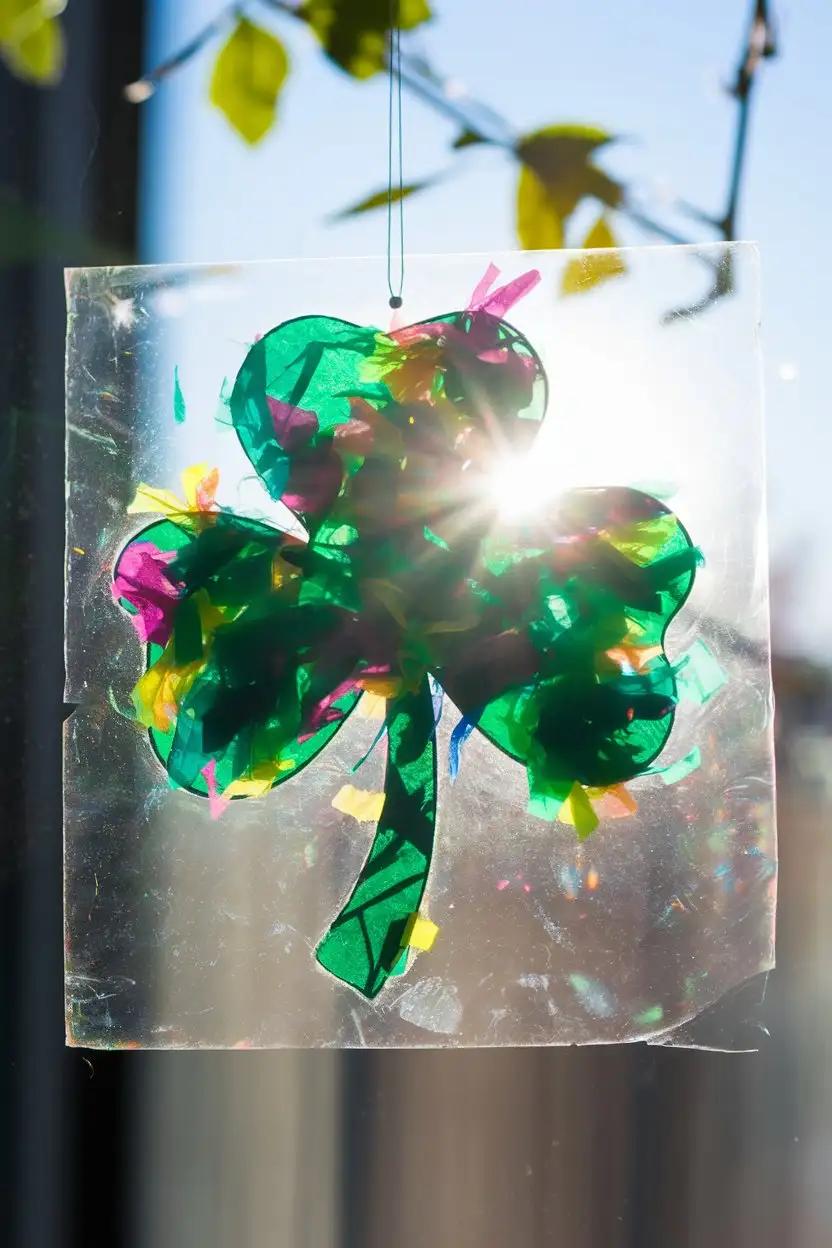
(550, 639)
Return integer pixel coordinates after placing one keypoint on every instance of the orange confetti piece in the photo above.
(615, 802)
(636, 657)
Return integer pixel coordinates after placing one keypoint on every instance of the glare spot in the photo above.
(170, 302)
(522, 486)
(787, 372)
(123, 312)
(138, 92)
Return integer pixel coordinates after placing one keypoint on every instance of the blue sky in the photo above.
(647, 71)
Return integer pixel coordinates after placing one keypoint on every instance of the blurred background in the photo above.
(720, 111)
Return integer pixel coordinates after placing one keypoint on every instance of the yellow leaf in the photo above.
(600, 265)
(539, 226)
(248, 74)
(364, 806)
(558, 157)
(31, 39)
(554, 151)
(412, 13)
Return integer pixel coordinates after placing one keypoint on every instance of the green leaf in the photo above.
(467, 139)
(539, 225)
(248, 74)
(558, 159)
(379, 199)
(584, 272)
(31, 39)
(353, 33)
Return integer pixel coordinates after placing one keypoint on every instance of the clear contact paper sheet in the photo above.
(420, 659)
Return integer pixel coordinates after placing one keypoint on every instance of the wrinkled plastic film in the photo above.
(564, 888)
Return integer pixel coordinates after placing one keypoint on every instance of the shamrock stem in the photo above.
(363, 944)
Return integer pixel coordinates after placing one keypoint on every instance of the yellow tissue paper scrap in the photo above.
(419, 933)
(156, 694)
(363, 805)
(199, 483)
(577, 811)
(381, 686)
(642, 540)
(583, 806)
(149, 501)
(260, 781)
(372, 706)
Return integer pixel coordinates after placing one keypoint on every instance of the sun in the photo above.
(522, 485)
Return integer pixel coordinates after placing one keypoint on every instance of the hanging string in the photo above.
(395, 195)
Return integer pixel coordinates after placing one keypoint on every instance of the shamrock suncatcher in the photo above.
(547, 634)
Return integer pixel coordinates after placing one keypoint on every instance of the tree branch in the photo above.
(444, 96)
(760, 45)
(141, 90)
(651, 226)
(480, 124)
